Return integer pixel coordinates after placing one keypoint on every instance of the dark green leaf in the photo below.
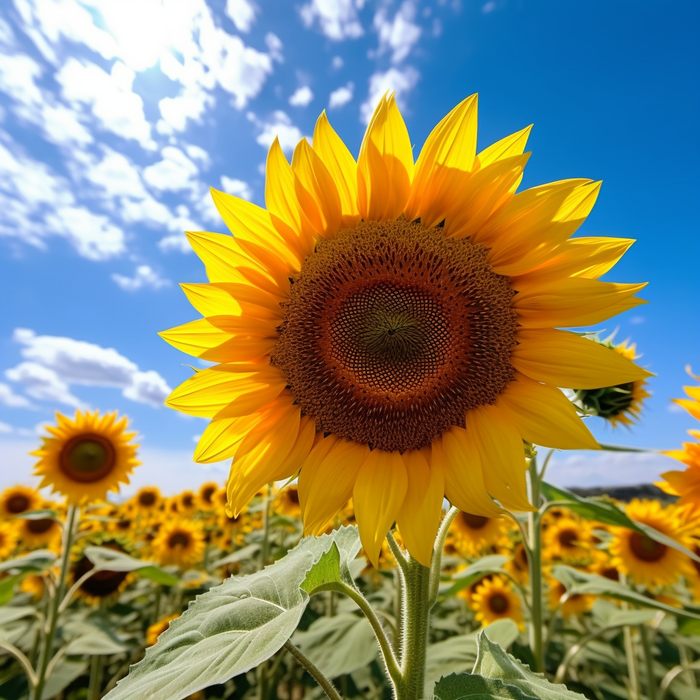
(466, 686)
(106, 559)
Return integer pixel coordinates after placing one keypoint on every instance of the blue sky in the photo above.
(116, 117)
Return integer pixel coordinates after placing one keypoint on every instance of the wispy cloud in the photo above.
(144, 276)
(338, 20)
(402, 80)
(341, 96)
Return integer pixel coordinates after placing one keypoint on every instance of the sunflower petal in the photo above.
(379, 492)
(513, 145)
(419, 517)
(221, 437)
(233, 299)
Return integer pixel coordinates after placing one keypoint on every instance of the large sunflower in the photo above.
(87, 456)
(390, 328)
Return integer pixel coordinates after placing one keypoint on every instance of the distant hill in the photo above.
(627, 493)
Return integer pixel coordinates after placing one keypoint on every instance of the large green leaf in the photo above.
(465, 686)
(339, 644)
(106, 559)
(606, 512)
(233, 627)
(457, 654)
(33, 563)
(579, 583)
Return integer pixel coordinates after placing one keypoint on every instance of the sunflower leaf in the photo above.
(579, 583)
(608, 513)
(466, 686)
(106, 559)
(35, 562)
(233, 627)
(486, 565)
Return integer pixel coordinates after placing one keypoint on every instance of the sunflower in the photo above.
(17, 500)
(287, 502)
(147, 500)
(87, 457)
(568, 539)
(573, 606)
(643, 559)
(686, 484)
(34, 585)
(518, 565)
(105, 583)
(37, 533)
(494, 599)
(620, 404)
(187, 503)
(8, 539)
(477, 532)
(157, 628)
(180, 543)
(206, 494)
(388, 330)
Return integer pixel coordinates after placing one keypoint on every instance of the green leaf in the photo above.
(579, 583)
(34, 563)
(338, 645)
(689, 627)
(457, 654)
(475, 571)
(7, 588)
(606, 512)
(106, 559)
(623, 448)
(493, 662)
(247, 552)
(466, 686)
(62, 676)
(37, 515)
(233, 627)
(96, 643)
(10, 613)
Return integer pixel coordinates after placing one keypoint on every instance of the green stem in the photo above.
(632, 670)
(416, 612)
(436, 563)
(648, 662)
(265, 549)
(534, 558)
(325, 683)
(686, 660)
(96, 670)
(68, 534)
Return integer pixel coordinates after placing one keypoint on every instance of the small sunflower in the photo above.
(187, 503)
(157, 628)
(686, 484)
(17, 500)
(34, 585)
(568, 539)
(287, 502)
(105, 583)
(476, 533)
(87, 456)
(620, 404)
(518, 566)
(206, 494)
(389, 329)
(38, 533)
(8, 539)
(147, 500)
(494, 599)
(573, 606)
(180, 543)
(643, 559)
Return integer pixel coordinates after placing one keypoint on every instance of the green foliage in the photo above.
(234, 627)
(106, 559)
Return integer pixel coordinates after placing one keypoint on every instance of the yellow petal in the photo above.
(300, 450)
(219, 391)
(457, 455)
(544, 416)
(342, 167)
(500, 447)
(448, 152)
(513, 145)
(325, 485)
(569, 360)
(233, 299)
(316, 190)
(281, 200)
(379, 491)
(221, 437)
(385, 165)
(691, 406)
(419, 517)
(573, 302)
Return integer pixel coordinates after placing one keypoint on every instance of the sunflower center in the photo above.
(645, 548)
(178, 539)
(393, 332)
(148, 498)
(17, 504)
(293, 496)
(473, 522)
(188, 500)
(87, 458)
(498, 603)
(207, 493)
(568, 539)
(40, 526)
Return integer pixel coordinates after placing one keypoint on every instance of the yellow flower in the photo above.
(180, 543)
(568, 539)
(388, 329)
(287, 502)
(17, 500)
(686, 484)
(35, 585)
(573, 606)
(643, 559)
(206, 494)
(87, 456)
(147, 500)
(105, 583)
(8, 539)
(157, 628)
(187, 503)
(39, 533)
(476, 533)
(494, 599)
(620, 404)
(518, 566)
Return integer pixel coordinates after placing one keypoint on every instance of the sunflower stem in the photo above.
(45, 657)
(534, 559)
(436, 563)
(648, 661)
(632, 667)
(316, 674)
(265, 548)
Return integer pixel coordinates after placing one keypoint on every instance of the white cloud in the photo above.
(302, 97)
(637, 320)
(274, 46)
(175, 172)
(238, 188)
(108, 96)
(7, 429)
(338, 19)
(197, 153)
(9, 398)
(191, 104)
(341, 96)
(145, 276)
(55, 362)
(487, 7)
(242, 13)
(401, 80)
(398, 35)
(18, 74)
(278, 125)
(337, 63)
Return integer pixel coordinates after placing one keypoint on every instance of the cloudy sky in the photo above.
(116, 118)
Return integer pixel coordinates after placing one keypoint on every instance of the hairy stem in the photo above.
(325, 683)
(534, 559)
